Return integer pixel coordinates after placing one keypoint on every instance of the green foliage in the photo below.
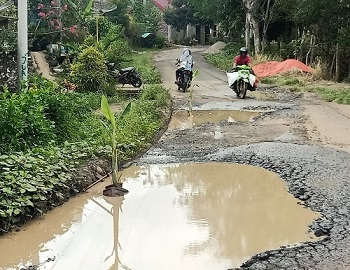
(330, 95)
(145, 118)
(89, 72)
(148, 15)
(222, 60)
(157, 94)
(180, 15)
(115, 47)
(144, 63)
(32, 182)
(23, 122)
(73, 117)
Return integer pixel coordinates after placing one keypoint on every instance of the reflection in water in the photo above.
(194, 216)
(182, 119)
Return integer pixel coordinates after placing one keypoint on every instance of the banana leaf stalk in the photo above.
(190, 97)
(109, 115)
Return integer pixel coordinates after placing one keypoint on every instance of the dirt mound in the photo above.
(217, 47)
(272, 68)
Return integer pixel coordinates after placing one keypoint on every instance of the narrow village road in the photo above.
(298, 136)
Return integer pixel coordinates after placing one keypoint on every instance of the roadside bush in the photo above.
(145, 118)
(33, 182)
(89, 72)
(144, 63)
(73, 116)
(330, 95)
(156, 93)
(159, 41)
(115, 47)
(23, 122)
(221, 60)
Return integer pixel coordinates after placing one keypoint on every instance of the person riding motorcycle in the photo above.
(243, 59)
(188, 59)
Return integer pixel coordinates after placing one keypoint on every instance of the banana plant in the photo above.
(109, 115)
(190, 96)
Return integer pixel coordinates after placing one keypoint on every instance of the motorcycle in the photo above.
(240, 80)
(184, 76)
(127, 75)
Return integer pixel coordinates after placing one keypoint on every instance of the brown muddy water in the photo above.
(182, 119)
(189, 216)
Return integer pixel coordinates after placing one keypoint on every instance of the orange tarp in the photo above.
(273, 68)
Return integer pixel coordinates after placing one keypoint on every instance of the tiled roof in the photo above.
(162, 4)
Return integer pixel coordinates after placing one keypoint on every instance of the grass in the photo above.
(221, 60)
(332, 95)
(145, 65)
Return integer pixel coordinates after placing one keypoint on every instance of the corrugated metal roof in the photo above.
(162, 4)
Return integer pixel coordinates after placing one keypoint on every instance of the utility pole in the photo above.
(22, 36)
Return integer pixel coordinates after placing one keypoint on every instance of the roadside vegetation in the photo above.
(53, 130)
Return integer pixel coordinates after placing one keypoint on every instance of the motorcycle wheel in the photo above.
(136, 82)
(242, 89)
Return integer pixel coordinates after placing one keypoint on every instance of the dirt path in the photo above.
(329, 124)
(42, 66)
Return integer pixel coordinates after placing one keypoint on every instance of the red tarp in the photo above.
(272, 68)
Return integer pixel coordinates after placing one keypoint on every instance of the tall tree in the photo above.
(180, 15)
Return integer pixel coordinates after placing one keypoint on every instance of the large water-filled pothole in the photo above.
(190, 216)
(183, 120)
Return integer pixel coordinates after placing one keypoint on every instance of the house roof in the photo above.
(162, 4)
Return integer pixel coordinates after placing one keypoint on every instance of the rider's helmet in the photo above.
(243, 51)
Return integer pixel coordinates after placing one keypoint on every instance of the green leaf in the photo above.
(31, 188)
(87, 10)
(125, 111)
(71, 3)
(107, 112)
(195, 74)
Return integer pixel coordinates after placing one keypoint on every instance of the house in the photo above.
(201, 34)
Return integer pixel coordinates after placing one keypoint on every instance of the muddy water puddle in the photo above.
(192, 216)
(183, 120)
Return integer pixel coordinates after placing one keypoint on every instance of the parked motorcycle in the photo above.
(240, 80)
(184, 76)
(127, 75)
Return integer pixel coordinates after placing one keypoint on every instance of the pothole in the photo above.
(190, 216)
(183, 120)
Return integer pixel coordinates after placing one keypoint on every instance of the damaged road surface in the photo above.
(260, 183)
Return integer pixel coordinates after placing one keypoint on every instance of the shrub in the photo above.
(159, 41)
(222, 60)
(89, 72)
(144, 63)
(115, 47)
(23, 122)
(33, 182)
(73, 116)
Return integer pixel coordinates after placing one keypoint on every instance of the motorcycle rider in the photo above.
(243, 59)
(185, 57)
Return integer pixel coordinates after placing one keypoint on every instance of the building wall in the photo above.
(192, 32)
